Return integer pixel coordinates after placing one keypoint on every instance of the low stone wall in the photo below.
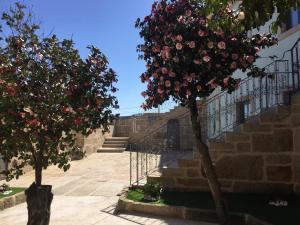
(127, 206)
(13, 200)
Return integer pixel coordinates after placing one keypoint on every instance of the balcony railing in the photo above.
(223, 112)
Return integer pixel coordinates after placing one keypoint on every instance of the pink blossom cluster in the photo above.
(186, 58)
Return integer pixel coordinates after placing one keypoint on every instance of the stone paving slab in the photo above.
(86, 194)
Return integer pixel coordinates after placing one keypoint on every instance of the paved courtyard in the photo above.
(86, 194)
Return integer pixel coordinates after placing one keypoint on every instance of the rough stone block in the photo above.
(280, 141)
(297, 140)
(295, 100)
(254, 127)
(190, 182)
(173, 172)
(297, 168)
(296, 108)
(194, 173)
(20, 198)
(187, 163)
(243, 147)
(295, 120)
(273, 118)
(255, 187)
(242, 167)
(278, 159)
(236, 137)
(279, 173)
(220, 146)
(164, 181)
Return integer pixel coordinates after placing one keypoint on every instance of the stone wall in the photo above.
(151, 130)
(129, 125)
(94, 141)
(263, 155)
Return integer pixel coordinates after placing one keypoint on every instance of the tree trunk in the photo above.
(209, 169)
(38, 196)
(39, 199)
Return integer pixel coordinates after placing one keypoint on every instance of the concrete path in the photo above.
(87, 194)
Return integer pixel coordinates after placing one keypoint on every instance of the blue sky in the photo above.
(108, 24)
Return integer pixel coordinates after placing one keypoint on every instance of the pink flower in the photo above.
(168, 8)
(11, 91)
(156, 49)
(188, 13)
(188, 92)
(180, 19)
(160, 90)
(201, 33)
(210, 44)
(212, 84)
(219, 32)
(189, 78)
(144, 94)
(66, 110)
(234, 56)
(233, 65)
(168, 83)
(202, 22)
(206, 58)
(178, 46)
(225, 81)
(22, 114)
(179, 38)
(199, 88)
(238, 83)
(77, 121)
(250, 58)
(176, 59)
(197, 61)
(172, 74)
(221, 45)
(177, 87)
(2, 82)
(164, 70)
(257, 49)
(155, 75)
(162, 79)
(192, 44)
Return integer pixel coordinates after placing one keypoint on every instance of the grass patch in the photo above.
(254, 204)
(15, 190)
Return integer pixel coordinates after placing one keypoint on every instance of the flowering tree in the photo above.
(187, 60)
(48, 93)
(256, 13)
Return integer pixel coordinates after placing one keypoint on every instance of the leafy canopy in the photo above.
(256, 12)
(186, 58)
(48, 93)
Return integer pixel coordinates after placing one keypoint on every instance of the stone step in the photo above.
(117, 138)
(111, 150)
(115, 142)
(113, 145)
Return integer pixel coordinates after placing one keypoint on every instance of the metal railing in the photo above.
(152, 152)
(223, 112)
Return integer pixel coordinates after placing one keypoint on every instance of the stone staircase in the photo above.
(114, 145)
(255, 157)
